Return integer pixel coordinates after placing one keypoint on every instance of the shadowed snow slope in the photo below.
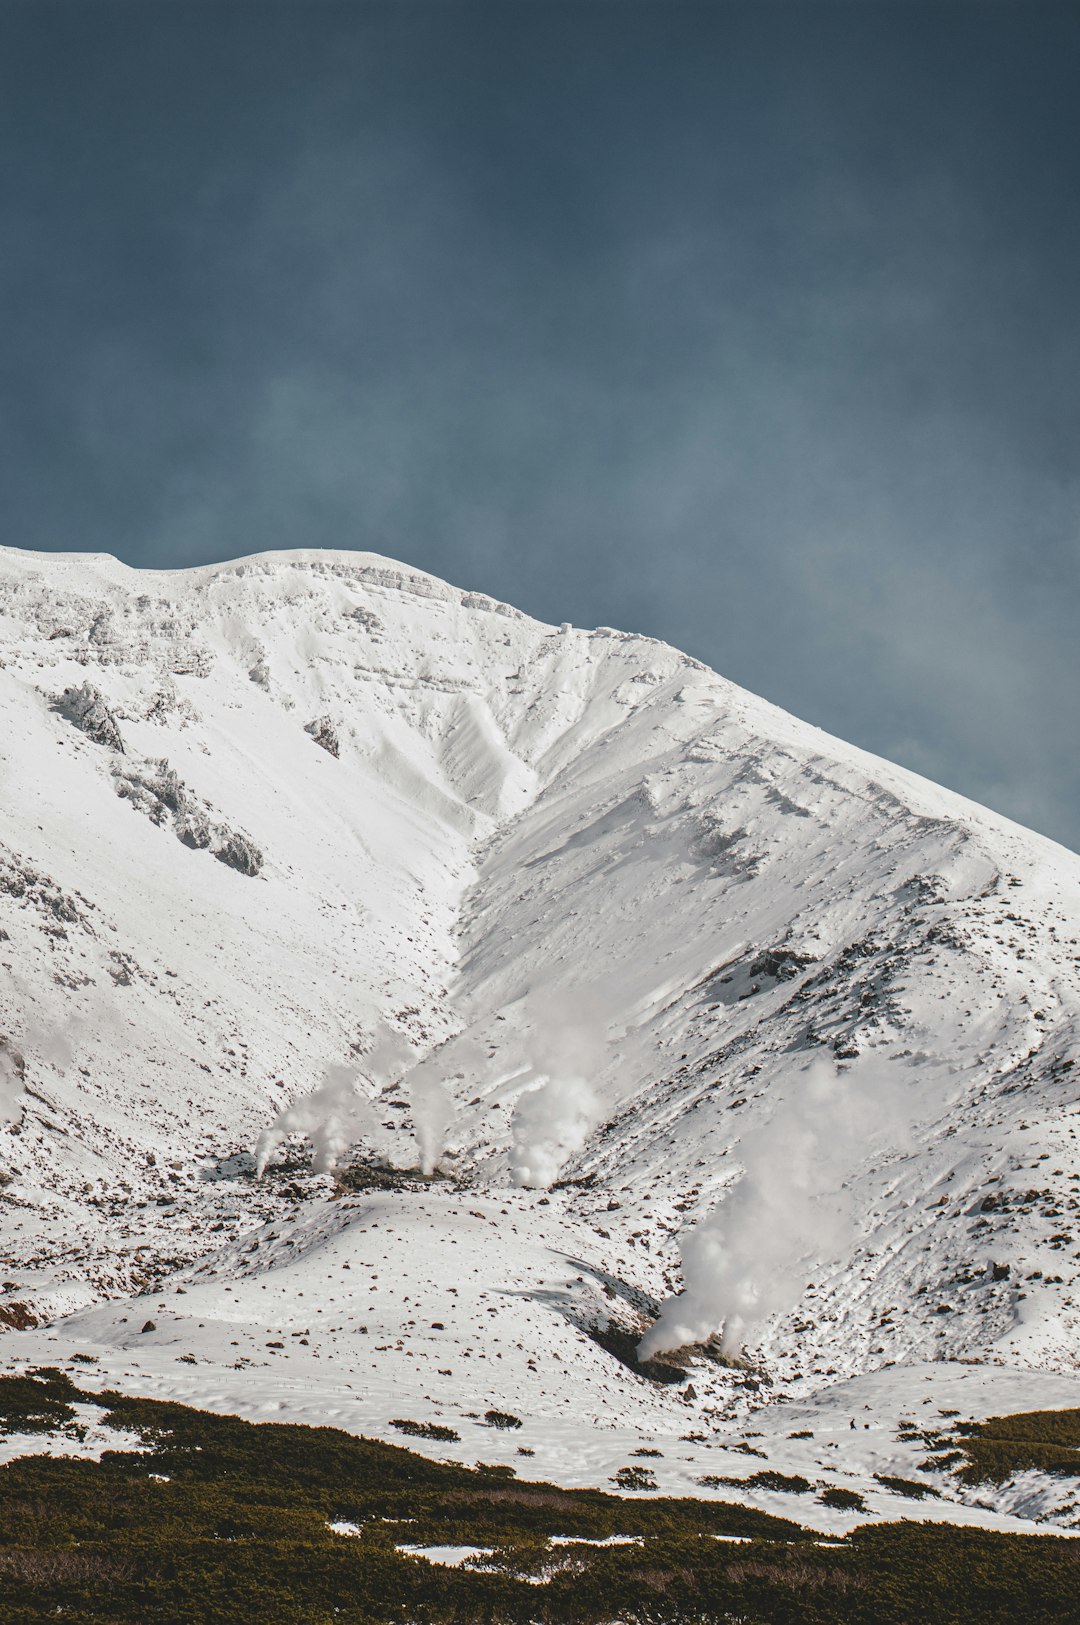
(268, 820)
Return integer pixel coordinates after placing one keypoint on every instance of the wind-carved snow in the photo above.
(588, 926)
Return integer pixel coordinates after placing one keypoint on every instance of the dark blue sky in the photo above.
(753, 327)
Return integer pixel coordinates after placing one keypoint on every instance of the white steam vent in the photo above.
(433, 1108)
(786, 1213)
(566, 1048)
(552, 1122)
(333, 1117)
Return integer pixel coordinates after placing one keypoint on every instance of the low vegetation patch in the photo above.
(842, 1500)
(38, 1404)
(425, 1430)
(501, 1419)
(906, 1486)
(792, 1483)
(215, 1521)
(768, 1479)
(1002, 1446)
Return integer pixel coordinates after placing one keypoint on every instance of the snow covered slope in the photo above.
(269, 820)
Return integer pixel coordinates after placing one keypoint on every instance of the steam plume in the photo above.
(551, 1124)
(432, 1105)
(388, 1053)
(432, 1113)
(554, 1117)
(752, 1256)
(333, 1117)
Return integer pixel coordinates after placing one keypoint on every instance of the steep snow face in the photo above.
(300, 822)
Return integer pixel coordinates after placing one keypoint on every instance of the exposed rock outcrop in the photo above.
(324, 733)
(156, 790)
(86, 707)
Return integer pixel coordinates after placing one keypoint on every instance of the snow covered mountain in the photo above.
(628, 953)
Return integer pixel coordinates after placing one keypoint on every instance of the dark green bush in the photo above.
(794, 1483)
(634, 1478)
(906, 1486)
(425, 1430)
(843, 1500)
(501, 1419)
